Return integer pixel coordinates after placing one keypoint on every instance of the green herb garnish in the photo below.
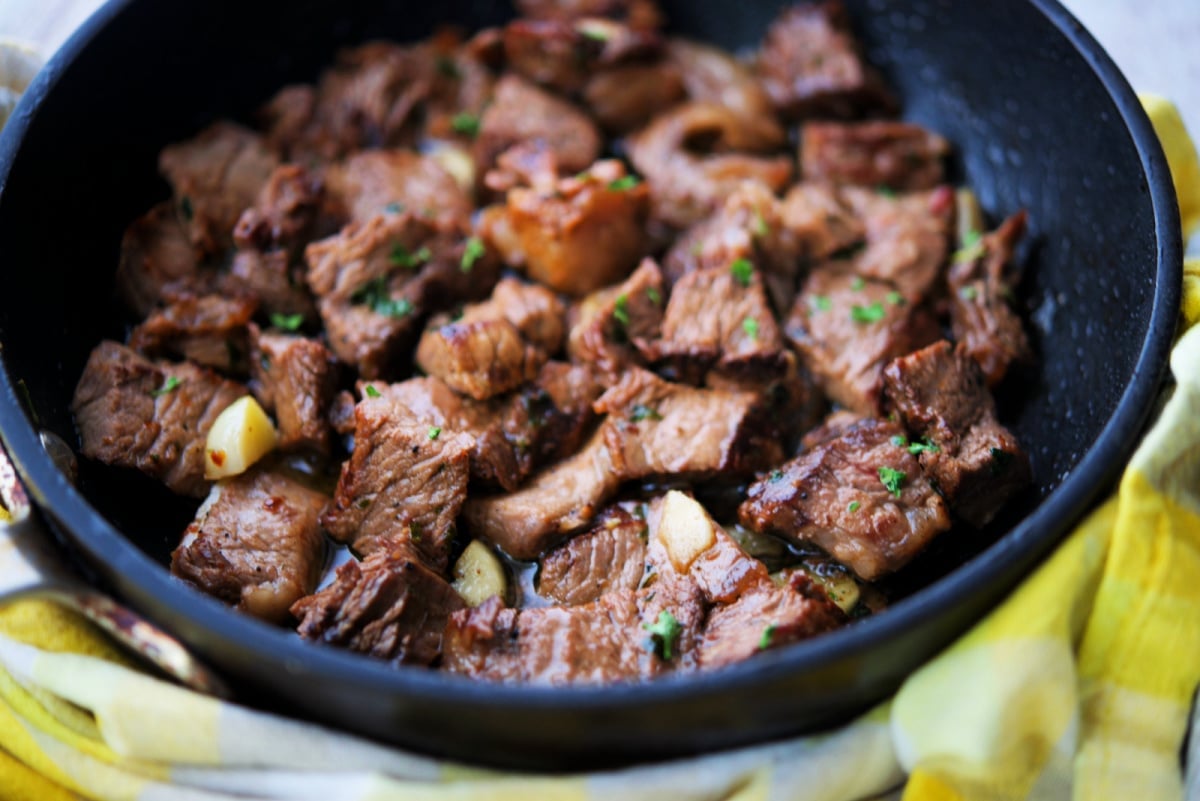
(171, 384)
(435, 432)
(822, 303)
(895, 298)
(741, 270)
(764, 642)
(371, 391)
(621, 310)
(641, 412)
(867, 314)
(892, 480)
(472, 252)
(466, 124)
(923, 446)
(401, 257)
(853, 507)
(885, 191)
(899, 440)
(968, 293)
(374, 294)
(858, 283)
(623, 183)
(185, 206)
(664, 633)
(972, 247)
(653, 295)
(775, 475)
(750, 326)
(288, 322)
(759, 226)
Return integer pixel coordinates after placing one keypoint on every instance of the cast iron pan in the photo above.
(1043, 121)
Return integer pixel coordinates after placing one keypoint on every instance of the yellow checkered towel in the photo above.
(1078, 685)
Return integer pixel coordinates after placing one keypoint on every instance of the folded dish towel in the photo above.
(1079, 683)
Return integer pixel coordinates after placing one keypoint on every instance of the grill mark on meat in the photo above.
(614, 326)
(610, 556)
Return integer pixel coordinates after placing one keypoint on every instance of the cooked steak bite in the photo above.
(610, 556)
(610, 639)
(713, 75)
(389, 606)
(981, 283)
(562, 55)
(821, 220)
(215, 176)
(154, 416)
(720, 318)
(880, 153)
(497, 345)
(295, 379)
(615, 323)
(256, 543)
(860, 496)
(286, 116)
(579, 234)
(405, 482)
(908, 237)
(374, 182)
(209, 330)
(658, 428)
(942, 398)
(811, 65)
(274, 278)
(557, 501)
(521, 113)
(846, 329)
(696, 154)
(788, 395)
(625, 97)
(285, 212)
(156, 253)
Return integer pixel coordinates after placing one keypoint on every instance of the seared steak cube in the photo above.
(295, 378)
(658, 428)
(943, 400)
(405, 482)
(612, 321)
(389, 606)
(860, 496)
(256, 543)
(811, 64)
(822, 221)
(374, 182)
(610, 556)
(880, 153)
(210, 330)
(156, 252)
(980, 286)
(908, 237)
(285, 212)
(274, 279)
(132, 412)
(624, 97)
(847, 328)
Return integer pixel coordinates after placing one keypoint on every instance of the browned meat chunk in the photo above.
(860, 496)
(389, 606)
(847, 328)
(375, 280)
(375, 182)
(981, 283)
(612, 321)
(497, 345)
(208, 329)
(789, 396)
(712, 75)
(811, 65)
(720, 318)
(609, 557)
(560, 499)
(522, 114)
(285, 212)
(625, 97)
(216, 176)
(942, 399)
(695, 155)
(405, 482)
(610, 639)
(155, 253)
(256, 543)
(562, 55)
(821, 220)
(287, 115)
(907, 237)
(657, 428)
(295, 378)
(132, 412)
(274, 278)
(897, 155)
(581, 234)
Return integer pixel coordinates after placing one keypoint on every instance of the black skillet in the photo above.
(1043, 120)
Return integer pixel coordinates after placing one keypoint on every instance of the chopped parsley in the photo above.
(593, 32)
(621, 310)
(654, 295)
(435, 432)
(895, 298)
(885, 191)
(172, 383)
(750, 326)
(664, 633)
(288, 322)
(466, 124)
(776, 475)
(401, 257)
(374, 294)
(641, 412)
(759, 226)
(972, 248)
(858, 283)
(371, 391)
(472, 252)
(741, 270)
(853, 507)
(899, 440)
(892, 479)
(821, 303)
(923, 446)
(764, 642)
(968, 293)
(867, 314)
(623, 183)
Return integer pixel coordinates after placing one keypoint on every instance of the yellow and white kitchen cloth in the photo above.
(1078, 685)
